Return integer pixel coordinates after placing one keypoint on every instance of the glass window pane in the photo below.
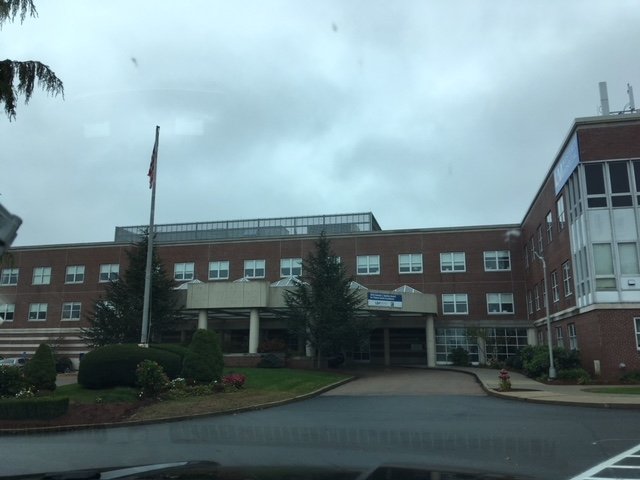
(602, 259)
(628, 258)
(595, 179)
(619, 177)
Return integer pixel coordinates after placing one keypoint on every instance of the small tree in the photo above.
(323, 307)
(204, 361)
(117, 317)
(40, 371)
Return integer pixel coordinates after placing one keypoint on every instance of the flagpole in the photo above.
(153, 170)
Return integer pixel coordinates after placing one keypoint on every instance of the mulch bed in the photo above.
(81, 414)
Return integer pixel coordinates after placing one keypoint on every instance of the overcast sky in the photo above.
(429, 114)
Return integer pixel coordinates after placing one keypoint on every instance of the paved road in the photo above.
(443, 429)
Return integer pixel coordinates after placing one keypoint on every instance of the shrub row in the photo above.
(41, 408)
(115, 365)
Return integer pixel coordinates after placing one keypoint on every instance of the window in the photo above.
(559, 339)
(447, 339)
(560, 212)
(526, 256)
(9, 276)
(42, 275)
(71, 311)
(254, 268)
(596, 193)
(183, 271)
(410, 263)
(498, 260)
(502, 343)
(529, 302)
(549, 227)
(500, 302)
(636, 322)
(536, 295)
(628, 253)
(368, 264)
(555, 291)
(290, 267)
(109, 272)
(573, 339)
(7, 311)
(453, 262)
(603, 265)
(219, 270)
(566, 278)
(620, 187)
(75, 274)
(38, 311)
(539, 234)
(453, 303)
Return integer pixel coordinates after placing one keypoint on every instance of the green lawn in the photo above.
(616, 390)
(296, 382)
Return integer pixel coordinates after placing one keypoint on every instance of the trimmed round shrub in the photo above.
(40, 371)
(171, 347)
(151, 378)
(115, 365)
(37, 407)
(204, 362)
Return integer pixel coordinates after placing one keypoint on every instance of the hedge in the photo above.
(171, 347)
(41, 408)
(115, 365)
(40, 371)
(204, 362)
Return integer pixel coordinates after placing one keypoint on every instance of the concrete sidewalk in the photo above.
(529, 390)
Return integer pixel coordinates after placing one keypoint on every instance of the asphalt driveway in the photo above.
(409, 381)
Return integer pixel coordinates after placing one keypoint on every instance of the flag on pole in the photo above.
(152, 166)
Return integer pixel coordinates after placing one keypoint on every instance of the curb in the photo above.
(495, 393)
(101, 426)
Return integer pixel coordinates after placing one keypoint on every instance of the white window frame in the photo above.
(252, 268)
(184, 271)
(549, 220)
(290, 267)
(74, 274)
(566, 278)
(573, 336)
(501, 300)
(453, 262)
(540, 241)
(455, 299)
(410, 263)
(218, 266)
(560, 213)
(7, 311)
(529, 302)
(109, 272)
(636, 324)
(38, 312)
(74, 311)
(41, 276)
(495, 256)
(536, 297)
(9, 276)
(368, 264)
(559, 337)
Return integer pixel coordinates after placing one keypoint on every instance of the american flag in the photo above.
(154, 158)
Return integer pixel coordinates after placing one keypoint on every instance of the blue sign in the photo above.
(389, 300)
(568, 162)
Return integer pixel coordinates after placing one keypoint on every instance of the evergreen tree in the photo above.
(19, 78)
(118, 315)
(323, 307)
(40, 371)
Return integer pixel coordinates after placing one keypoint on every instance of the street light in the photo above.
(552, 368)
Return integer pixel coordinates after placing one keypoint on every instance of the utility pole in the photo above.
(552, 368)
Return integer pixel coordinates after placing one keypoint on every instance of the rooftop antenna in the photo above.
(604, 98)
(632, 105)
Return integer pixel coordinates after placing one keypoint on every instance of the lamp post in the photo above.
(552, 368)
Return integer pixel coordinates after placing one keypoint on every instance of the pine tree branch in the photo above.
(9, 9)
(26, 74)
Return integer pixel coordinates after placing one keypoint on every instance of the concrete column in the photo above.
(431, 341)
(387, 347)
(202, 320)
(532, 336)
(482, 351)
(254, 330)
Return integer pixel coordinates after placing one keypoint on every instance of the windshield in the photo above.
(476, 181)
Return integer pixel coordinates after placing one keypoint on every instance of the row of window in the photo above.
(38, 311)
(74, 274)
(544, 230)
(533, 299)
(458, 303)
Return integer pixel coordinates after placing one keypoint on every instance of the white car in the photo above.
(13, 362)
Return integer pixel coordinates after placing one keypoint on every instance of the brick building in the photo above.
(426, 290)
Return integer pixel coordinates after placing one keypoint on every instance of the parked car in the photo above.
(13, 362)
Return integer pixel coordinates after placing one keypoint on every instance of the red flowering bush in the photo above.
(505, 380)
(234, 380)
